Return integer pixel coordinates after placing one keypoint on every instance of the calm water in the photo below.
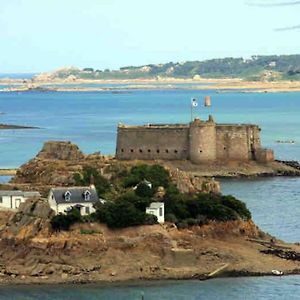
(90, 120)
(218, 289)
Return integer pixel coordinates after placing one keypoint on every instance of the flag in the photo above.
(194, 102)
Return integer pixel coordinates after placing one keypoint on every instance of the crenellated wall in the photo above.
(200, 141)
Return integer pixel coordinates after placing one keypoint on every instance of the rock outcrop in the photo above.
(60, 150)
(31, 219)
(57, 162)
(187, 183)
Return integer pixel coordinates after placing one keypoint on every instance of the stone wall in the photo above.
(200, 142)
(237, 142)
(153, 142)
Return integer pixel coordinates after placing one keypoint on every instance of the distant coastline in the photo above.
(8, 126)
(102, 85)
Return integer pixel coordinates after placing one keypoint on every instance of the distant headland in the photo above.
(259, 73)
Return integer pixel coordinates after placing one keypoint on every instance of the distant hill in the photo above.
(257, 68)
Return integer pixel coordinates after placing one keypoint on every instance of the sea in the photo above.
(90, 119)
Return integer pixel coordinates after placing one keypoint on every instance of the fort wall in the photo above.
(153, 142)
(200, 141)
(237, 142)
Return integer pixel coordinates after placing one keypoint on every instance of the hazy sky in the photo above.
(41, 35)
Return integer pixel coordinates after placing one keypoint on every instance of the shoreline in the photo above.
(149, 281)
(219, 85)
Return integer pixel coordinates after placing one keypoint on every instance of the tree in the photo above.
(91, 175)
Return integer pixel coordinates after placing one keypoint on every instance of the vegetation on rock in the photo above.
(257, 67)
(128, 207)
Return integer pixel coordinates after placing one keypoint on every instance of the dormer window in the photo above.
(67, 195)
(87, 195)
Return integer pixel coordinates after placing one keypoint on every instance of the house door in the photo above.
(17, 202)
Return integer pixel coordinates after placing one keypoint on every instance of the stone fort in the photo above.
(201, 142)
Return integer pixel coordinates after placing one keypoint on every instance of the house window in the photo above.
(160, 211)
(87, 195)
(67, 195)
(87, 210)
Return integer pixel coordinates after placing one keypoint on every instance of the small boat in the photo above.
(277, 272)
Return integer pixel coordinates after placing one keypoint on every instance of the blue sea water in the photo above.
(90, 119)
(267, 288)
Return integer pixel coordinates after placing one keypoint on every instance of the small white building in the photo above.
(157, 209)
(13, 199)
(63, 199)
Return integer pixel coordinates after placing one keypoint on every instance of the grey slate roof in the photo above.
(20, 194)
(77, 194)
(155, 205)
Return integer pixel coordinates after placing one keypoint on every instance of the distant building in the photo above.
(157, 209)
(201, 142)
(63, 199)
(13, 199)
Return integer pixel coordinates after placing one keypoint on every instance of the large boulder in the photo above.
(60, 150)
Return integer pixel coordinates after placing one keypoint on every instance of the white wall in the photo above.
(156, 212)
(12, 202)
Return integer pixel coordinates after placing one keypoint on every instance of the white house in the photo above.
(13, 199)
(157, 209)
(64, 199)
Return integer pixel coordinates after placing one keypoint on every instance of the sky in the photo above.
(43, 35)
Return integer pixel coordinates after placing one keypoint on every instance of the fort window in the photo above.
(175, 151)
(224, 148)
(157, 151)
(122, 150)
(149, 150)
(131, 150)
(167, 151)
(200, 151)
(141, 150)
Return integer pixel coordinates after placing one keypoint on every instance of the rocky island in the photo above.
(222, 241)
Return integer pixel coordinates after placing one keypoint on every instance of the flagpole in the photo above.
(191, 112)
(194, 103)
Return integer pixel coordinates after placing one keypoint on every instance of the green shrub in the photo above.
(88, 231)
(64, 221)
(89, 175)
(238, 206)
(119, 214)
(150, 219)
(191, 222)
(156, 174)
(171, 218)
(143, 190)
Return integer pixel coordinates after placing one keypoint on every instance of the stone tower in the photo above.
(202, 138)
